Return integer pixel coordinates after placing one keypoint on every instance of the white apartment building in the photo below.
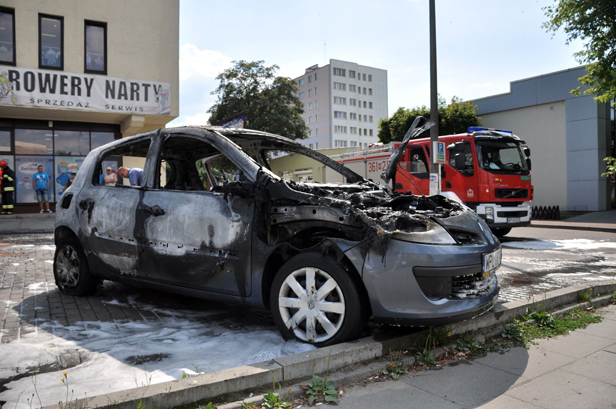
(343, 104)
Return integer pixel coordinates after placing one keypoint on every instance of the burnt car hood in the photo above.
(420, 124)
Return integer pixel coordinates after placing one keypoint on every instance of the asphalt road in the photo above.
(538, 260)
(129, 336)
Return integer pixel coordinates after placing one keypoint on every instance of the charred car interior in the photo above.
(211, 220)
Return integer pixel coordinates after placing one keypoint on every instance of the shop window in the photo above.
(33, 141)
(95, 47)
(7, 36)
(64, 166)
(51, 42)
(25, 168)
(71, 142)
(5, 141)
(101, 138)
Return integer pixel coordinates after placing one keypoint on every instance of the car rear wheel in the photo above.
(501, 232)
(315, 300)
(70, 269)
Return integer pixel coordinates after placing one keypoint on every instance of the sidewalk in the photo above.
(593, 221)
(27, 223)
(45, 223)
(572, 371)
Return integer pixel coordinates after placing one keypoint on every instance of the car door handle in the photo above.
(154, 210)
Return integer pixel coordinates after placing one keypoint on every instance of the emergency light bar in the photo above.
(478, 129)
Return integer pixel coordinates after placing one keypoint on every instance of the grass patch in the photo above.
(395, 367)
(521, 333)
(559, 325)
(583, 296)
(431, 338)
(514, 333)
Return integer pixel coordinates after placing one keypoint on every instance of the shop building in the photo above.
(75, 75)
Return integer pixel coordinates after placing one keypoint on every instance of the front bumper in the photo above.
(396, 296)
(507, 225)
(505, 217)
(421, 322)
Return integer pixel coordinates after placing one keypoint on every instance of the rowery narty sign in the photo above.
(64, 90)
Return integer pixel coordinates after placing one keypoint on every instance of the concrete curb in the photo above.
(11, 232)
(293, 368)
(28, 223)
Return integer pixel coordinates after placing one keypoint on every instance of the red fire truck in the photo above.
(486, 169)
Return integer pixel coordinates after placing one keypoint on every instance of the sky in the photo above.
(483, 45)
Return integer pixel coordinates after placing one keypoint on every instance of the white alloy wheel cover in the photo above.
(306, 303)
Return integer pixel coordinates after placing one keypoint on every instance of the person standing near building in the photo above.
(69, 182)
(110, 177)
(8, 187)
(40, 182)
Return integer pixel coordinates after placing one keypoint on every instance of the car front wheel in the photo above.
(315, 300)
(70, 269)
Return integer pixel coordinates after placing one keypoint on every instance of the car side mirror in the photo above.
(457, 147)
(460, 161)
(527, 151)
(528, 163)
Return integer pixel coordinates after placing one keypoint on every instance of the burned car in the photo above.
(211, 220)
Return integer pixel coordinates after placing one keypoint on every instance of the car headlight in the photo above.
(434, 234)
(490, 213)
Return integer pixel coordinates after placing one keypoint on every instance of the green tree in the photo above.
(593, 22)
(271, 102)
(453, 118)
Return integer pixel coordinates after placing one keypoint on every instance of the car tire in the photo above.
(501, 232)
(71, 270)
(328, 311)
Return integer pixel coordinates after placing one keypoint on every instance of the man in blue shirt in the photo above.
(40, 182)
(134, 175)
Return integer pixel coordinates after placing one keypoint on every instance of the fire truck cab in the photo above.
(488, 169)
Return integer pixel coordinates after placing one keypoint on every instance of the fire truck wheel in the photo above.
(501, 232)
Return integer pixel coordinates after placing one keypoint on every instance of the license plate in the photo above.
(492, 261)
(513, 220)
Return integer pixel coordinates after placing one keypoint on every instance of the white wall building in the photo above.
(75, 75)
(343, 104)
(568, 136)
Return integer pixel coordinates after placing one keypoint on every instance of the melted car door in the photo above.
(192, 236)
(107, 213)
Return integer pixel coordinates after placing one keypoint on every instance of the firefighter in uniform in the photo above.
(8, 187)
